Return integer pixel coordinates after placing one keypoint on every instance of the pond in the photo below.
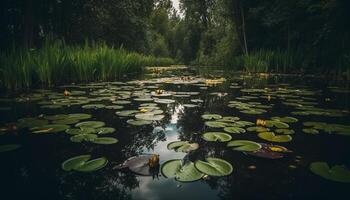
(219, 135)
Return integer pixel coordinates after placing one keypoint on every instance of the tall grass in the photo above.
(57, 63)
(270, 61)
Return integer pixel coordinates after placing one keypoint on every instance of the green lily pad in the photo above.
(91, 124)
(270, 136)
(164, 101)
(243, 124)
(234, 129)
(244, 145)
(105, 140)
(258, 129)
(105, 130)
(182, 146)
(253, 111)
(285, 119)
(138, 122)
(214, 167)
(181, 172)
(92, 165)
(82, 130)
(80, 116)
(277, 124)
(9, 147)
(216, 124)
(211, 116)
(93, 106)
(310, 131)
(149, 117)
(66, 121)
(75, 162)
(121, 102)
(229, 119)
(216, 136)
(56, 117)
(337, 173)
(127, 113)
(50, 128)
(83, 137)
(114, 107)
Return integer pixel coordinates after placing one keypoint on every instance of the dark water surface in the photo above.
(34, 170)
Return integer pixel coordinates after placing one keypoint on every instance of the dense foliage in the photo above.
(277, 36)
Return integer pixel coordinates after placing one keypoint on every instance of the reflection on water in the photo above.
(34, 170)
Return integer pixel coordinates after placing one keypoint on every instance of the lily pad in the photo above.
(82, 130)
(311, 131)
(337, 173)
(149, 117)
(83, 137)
(31, 122)
(244, 145)
(277, 124)
(182, 146)
(91, 124)
(164, 101)
(216, 124)
(92, 165)
(270, 136)
(105, 140)
(66, 121)
(75, 162)
(127, 113)
(285, 119)
(214, 167)
(138, 122)
(258, 129)
(234, 129)
(181, 172)
(211, 116)
(93, 106)
(216, 136)
(105, 130)
(50, 128)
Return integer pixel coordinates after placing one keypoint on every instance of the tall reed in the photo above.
(57, 63)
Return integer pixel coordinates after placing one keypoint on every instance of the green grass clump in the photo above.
(57, 63)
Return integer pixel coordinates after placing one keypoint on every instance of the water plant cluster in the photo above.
(57, 63)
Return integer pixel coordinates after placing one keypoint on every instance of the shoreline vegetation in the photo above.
(58, 63)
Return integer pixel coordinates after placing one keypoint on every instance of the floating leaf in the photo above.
(105, 130)
(277, 124)
(181, 172)
(75, 162)
(127, 113)
(138, 122)
(93, 106)
(244, 145)
(234, 129)
(258, 129)
(285, 119)
(164, 101)
(50, 128)
(91, 124)
(149, 117)
(31, 122)
(270, 136)
(182, 146)
(105, 140)
(83, 137)
(211, 116)
(310, 131)
(82, 130)
(216, 124)
(92, 165)
(66, 121)
(216, 136)
(214, 167)
(337, 173)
